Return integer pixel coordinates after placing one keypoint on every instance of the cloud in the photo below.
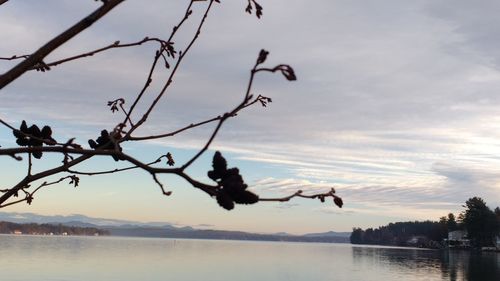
(476, 26)
(401, 198)
(286, 205)
(335, 210)
(470, 180)
(204, 225)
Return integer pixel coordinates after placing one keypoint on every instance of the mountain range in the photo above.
(167, 230)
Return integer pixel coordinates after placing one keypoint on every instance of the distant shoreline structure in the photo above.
(46, 229)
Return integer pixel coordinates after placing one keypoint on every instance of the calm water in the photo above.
(110, 258)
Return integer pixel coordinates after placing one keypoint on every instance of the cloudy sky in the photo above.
(396, 106)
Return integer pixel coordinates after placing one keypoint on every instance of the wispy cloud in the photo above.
(287, 205)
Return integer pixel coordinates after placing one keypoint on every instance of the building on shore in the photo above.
(457, 239)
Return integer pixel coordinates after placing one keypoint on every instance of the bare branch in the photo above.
(53, 44)
(170, 134)
(166, 193)
(187, 13)
(193, 125)
(29, 195)
(30, 164)
(224, 117)
(115, 45)
(15, 57)
(114, 170)
(321, 196)
(229, 187)
(174, 70)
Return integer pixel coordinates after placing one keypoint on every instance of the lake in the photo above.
(116, 258)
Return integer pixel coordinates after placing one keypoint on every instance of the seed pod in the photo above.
(338, 201)
(225, 200)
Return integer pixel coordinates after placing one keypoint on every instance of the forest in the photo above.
(480, 222)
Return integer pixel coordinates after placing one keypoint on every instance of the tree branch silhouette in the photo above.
(37, 57)
(228, 187)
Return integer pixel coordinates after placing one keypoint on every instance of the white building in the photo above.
(457, 239)
(457, 235)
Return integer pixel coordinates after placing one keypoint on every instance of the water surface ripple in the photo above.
(56, 258)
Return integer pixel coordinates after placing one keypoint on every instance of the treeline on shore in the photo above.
(48, 229)
(412, 233)
(478, 221)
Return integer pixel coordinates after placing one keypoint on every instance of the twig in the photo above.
(14, 57)
(190, 126)
(111, 46)
(30, 164)
(321, 196)
(187, 13)
(41, 175)
(167, 193)
(29, 195)
(174, 70)
(53, 44)
(170, 134)
(114, 170)
(224, 117)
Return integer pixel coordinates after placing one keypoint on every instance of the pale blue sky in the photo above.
(396, 105)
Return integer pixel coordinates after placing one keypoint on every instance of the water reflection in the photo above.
(29, 258)
(453, 265)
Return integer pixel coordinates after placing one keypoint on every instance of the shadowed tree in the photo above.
(451, 223)
(34, 141)
(480, 222)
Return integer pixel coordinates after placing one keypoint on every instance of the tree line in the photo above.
(47, 229)
(480, 222)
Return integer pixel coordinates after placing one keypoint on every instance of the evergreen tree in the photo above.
(451, 223)
(356, 236)
(480, 222)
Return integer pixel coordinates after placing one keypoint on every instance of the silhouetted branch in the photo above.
(15, 57)
(321, 196)
(30, 164)
(53, 44)
(171, 134)
(187, 13)
(229, 187)
(31, 178)
(29, 195)
(259, 98)
(224, 117)
(115, 45)
(172, 73)
(114, 170)
(166, 193)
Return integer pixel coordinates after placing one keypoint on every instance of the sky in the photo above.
(395, 105)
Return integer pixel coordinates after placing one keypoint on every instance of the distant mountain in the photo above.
(73, 220)
(75, 224)
(282, 234)
(167, 230)
(329, 234)
(146, 231)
